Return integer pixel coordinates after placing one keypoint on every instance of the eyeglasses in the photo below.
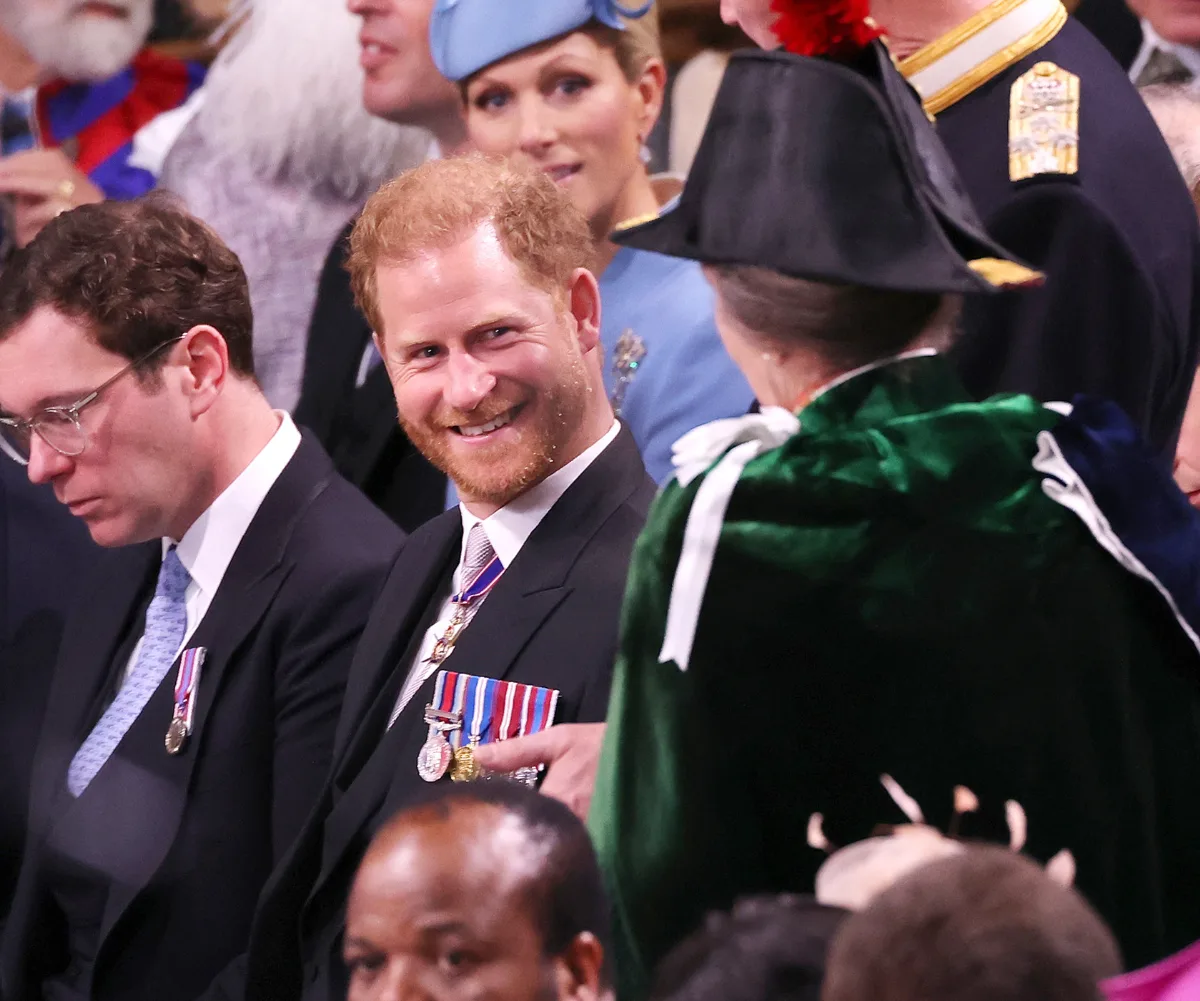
(59, 427)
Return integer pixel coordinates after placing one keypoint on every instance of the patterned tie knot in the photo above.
(479, 553)
(173, 578)
(1163, 67)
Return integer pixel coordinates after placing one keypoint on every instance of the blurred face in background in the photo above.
(81, 40)
(754, 17)
(1176, 21)
(567, 108)
(400, 81)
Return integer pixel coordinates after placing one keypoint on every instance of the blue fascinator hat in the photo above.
(467, 35)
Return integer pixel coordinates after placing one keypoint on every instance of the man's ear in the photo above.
(579, 970)
(583, 294)
(206, 366)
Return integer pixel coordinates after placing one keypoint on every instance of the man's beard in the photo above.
(507, 471)
(285, 95)
(78, 47)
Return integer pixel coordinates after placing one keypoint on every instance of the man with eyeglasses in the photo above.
(192, 710)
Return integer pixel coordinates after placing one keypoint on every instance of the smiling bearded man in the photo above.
(499, 617)
(98, 90)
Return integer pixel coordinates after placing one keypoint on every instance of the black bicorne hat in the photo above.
(830, 171)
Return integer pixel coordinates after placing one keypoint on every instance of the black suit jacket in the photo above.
(551, 620)
(184, 843)
(45, 554)
(358, 424)
(1119, 315)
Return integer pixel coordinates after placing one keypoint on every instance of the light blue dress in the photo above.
(665, 368)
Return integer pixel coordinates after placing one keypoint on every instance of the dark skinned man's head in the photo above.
(480, 892)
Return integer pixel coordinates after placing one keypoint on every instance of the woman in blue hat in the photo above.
(573, 87)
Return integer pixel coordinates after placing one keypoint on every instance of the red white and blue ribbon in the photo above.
(493, 710)
(186, 683)
(99, 120)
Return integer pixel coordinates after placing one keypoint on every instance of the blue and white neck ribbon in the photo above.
(483, 582)
(735, 441)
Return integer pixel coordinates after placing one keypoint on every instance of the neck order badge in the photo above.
(485, 710)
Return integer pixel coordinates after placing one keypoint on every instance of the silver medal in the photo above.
(434, 760)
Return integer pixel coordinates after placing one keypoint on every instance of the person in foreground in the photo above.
(192, 711)
(878, 575)
(527, 920)
(499, 616)
(986, 924)
(574, 93)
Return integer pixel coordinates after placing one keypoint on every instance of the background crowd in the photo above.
(249, 205)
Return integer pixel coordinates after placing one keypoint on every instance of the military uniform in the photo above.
(1106, 217)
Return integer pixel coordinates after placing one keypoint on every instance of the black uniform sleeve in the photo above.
(1097, 326)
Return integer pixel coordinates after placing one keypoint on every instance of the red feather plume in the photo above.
(837, 28)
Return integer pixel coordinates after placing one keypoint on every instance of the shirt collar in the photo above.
(1152, 42)
(510, 527)
(207, 548)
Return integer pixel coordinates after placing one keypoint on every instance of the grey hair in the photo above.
(1176, 109)
(847, 325)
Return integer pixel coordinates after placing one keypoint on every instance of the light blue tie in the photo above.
(166, 623)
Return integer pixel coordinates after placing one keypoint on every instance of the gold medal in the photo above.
(177, 735)
(464, 767)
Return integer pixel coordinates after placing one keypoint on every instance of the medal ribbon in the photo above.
(186, 681)
(483, 582)
(494, 710)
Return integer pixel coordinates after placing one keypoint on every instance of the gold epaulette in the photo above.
(1043, 123)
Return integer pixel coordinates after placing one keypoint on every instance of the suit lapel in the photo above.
(410, 589)
(103, 619)
(259, 567)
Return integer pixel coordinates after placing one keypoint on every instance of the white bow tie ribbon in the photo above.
(735, 441)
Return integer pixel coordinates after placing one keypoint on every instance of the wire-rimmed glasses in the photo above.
(60, 427)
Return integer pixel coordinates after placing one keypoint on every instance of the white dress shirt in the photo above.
(507, 529)
(207, 548)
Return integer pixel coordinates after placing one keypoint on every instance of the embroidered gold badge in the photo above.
(1043, 123)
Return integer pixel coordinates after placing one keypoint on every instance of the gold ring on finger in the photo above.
(66, 189)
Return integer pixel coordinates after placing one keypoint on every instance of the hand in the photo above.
(1187, 476)
(571, 752)
(43, 184)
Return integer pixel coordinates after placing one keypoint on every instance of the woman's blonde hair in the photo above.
(638, 44)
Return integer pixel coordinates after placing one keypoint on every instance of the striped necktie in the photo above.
(477, 555)
(166, 624)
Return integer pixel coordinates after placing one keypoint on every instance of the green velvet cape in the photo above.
(893, 592)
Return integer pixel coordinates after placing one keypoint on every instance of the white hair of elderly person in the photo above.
(279, 157)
